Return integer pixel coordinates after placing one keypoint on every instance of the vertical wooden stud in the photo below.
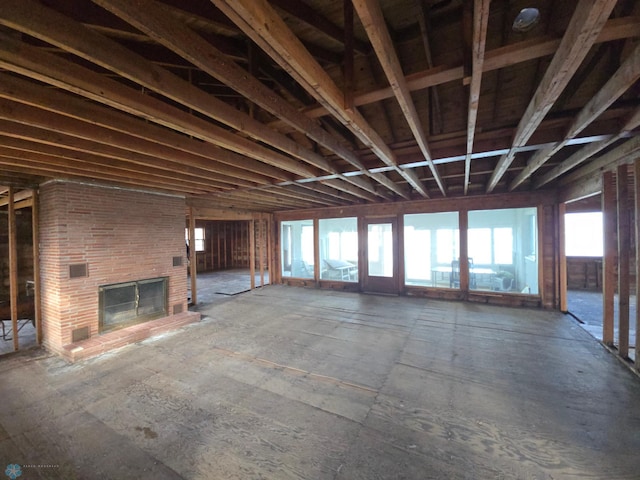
(316, 250)
(463, 228)
(261, 245)
(562, 258)
(194, 256)
(13, 268)
(252, 252)
(624, 231)
(636, 183)
(35, 233)
(609, 259)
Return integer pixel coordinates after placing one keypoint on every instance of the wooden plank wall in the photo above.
(228, 245)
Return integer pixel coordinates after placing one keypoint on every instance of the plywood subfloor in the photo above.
(288, 383)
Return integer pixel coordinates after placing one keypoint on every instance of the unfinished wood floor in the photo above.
(288, 383)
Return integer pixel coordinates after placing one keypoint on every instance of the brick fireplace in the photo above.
(93, 238)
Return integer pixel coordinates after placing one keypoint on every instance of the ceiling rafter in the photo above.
(480, 23)
(619, 83)
(589, 151)
(49, 26)
(203, 155)
(312, 18)
(50, 137)
(374, 23)
(149, 16)
(625, 152)
(29, 61)
(263, 25)
(501, 57)
(585, 25)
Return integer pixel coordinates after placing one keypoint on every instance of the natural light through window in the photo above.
(583, 234)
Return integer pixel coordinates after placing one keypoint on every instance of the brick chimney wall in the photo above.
(119, 236)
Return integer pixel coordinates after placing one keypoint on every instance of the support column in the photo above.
(13, 269)
(463, 226)
(35, 232)
(562, 258)
(624, 233)
(609, 258)
(252, 252)
(194, 257)
(637, 242)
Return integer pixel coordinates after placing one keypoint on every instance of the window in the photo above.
(297, 250)
(503, 250)
(583, 234)
(199, 238)
(339, 249)
(431, 243)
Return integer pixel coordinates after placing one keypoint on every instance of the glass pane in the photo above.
(297, 248)
(431, 243)
(339, 249)
(583, 234)
(380, 250)
(503, 250)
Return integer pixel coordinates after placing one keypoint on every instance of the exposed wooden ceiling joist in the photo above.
(585, 26)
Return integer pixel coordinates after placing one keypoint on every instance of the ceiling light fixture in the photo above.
(526, 20)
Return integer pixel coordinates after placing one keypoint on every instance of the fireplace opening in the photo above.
(128, 303)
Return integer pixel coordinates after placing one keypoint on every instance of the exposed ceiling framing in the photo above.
(270, 105)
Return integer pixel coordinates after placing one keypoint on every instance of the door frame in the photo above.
(376, 284)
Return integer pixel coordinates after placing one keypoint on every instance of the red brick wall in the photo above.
(121, 235)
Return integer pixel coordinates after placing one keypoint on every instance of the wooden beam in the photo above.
(620, 82)
(610, 256)
(624, 232)
(13, 267)
(204, 155)
(480, 23)
(589, 151)
(35, 234)
(29, 61)
(585, 187)
(193, 265)
(252, 253)
(562, 258)
(312, 18)
(622, 153)
(258, 20)
(636, 184)
(435, 116)
(151, 17)
(348, 67)
(586, 23)
(374, 23)
(48, 25)
(512, 54)
(53, 140)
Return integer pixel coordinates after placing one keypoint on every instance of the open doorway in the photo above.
(17, 272)
(228, 257)
(584, 233)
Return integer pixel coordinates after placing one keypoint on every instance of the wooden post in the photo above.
(624, 232)
(194, 257)
(252, 252)
(637, 242)
(316, 251)
(609, 259)
(35, 232)
(261, 240)
(13, 269)
(562, 258)
(463, 226)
